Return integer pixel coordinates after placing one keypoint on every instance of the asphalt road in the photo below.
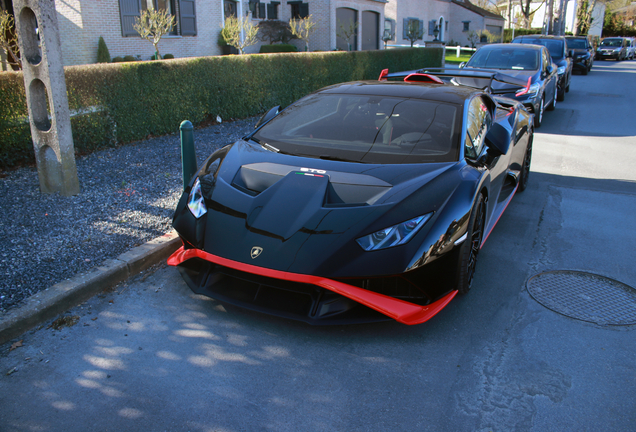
(152, 356)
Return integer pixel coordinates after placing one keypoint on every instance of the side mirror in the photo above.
(550, 69)
(268, 116)
(571, 53)
(462, 64)
(498, 140)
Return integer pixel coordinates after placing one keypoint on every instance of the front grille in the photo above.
(394, 286)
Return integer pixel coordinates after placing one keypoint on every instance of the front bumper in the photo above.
(580, 65)
(602, 55)
(313, 299)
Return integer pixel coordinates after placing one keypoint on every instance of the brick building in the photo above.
(198, 23)
(454, 20)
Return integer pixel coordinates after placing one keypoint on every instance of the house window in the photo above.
(272, 10)
(183, 11)
(299, 9)
(229, 9)
(167, 5)
(258, 9)
(414, 28)
(389, 29)
(466, 25)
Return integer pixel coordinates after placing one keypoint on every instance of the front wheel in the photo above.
(472, 245)
(538, 114)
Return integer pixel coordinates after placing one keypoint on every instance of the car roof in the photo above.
(413, 90)
(539, 36)
(513, 46)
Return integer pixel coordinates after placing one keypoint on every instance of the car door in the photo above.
(479, 120)
(549, 75)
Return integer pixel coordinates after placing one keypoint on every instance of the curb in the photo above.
(67, 294)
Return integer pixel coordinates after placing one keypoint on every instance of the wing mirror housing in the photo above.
(571, 53)
(498, 140)
(462, 64)
(550, 69)
(268, 116)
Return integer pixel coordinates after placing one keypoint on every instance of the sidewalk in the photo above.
(57, 251)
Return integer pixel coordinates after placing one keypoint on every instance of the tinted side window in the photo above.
(478, 123)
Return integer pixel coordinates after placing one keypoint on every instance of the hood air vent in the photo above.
(344, 188)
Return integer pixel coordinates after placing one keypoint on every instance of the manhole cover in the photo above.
(585, 296)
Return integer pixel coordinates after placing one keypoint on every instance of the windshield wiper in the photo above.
(336, 158)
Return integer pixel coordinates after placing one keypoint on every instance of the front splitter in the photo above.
(399, 310)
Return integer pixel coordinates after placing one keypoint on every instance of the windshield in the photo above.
(368, 129)
(612, 42)
(577, 44)
(555, 46)
(505, 58)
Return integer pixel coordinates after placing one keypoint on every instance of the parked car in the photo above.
(612, 48)
(561, 56)
(530, 62)
(631, 48)
(583, 53)
(363, 201)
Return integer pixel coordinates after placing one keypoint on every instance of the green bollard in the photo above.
(188, 158)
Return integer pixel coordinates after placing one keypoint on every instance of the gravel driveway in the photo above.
(128, 195)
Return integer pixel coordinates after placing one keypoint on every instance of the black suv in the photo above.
(558, 47)
(583, 53)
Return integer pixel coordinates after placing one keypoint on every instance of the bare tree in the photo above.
(583, 18)
(152, 25)
(414, 31)
(302, 28)
(526, 12)
(273, 31)
(348, 33)
(232, 32)
(8, 40)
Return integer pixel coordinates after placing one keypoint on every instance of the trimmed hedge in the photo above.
(520, 32)
(276, 48)
(121, 102)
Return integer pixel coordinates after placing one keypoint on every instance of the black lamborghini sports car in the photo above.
(360, 202)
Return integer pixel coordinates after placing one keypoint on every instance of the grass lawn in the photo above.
(451, 57)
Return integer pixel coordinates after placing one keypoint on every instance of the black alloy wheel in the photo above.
(471, 246)
(525, 168)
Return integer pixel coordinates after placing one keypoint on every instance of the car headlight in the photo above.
(561, 70)
(393, 236)
(196, 204)
(531, 91)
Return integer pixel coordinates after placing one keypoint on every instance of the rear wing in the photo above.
(476, 78)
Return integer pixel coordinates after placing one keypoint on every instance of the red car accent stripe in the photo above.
(420, 77)
(526, 89)
(399, 310)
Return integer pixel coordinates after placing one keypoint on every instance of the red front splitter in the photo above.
(399, 310)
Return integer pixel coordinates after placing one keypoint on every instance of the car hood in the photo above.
(305, 213)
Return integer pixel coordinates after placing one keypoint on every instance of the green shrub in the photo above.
(519, 32)
(276, 48)
(117, 59)
(130, 58)
(103, 56)
(118, 103)
(168, 56)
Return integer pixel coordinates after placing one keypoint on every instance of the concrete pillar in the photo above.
(39, 40)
